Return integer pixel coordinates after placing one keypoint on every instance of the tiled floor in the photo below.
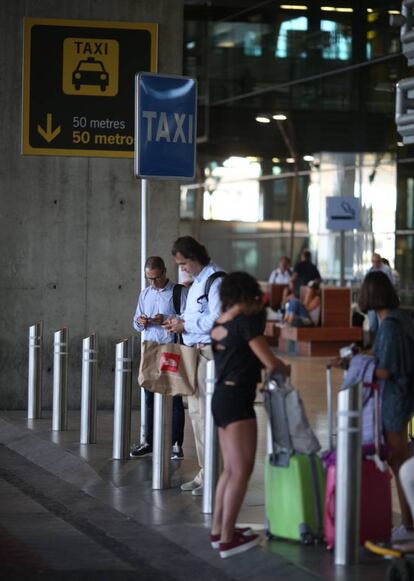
(79, 514)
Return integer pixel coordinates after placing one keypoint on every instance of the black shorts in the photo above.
(232, 403)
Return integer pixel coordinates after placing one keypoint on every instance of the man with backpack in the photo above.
(196, 322)
(158, 301)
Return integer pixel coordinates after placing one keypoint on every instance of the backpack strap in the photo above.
(177, 290)
(209, 282)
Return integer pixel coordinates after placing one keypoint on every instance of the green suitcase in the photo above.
(294, 498)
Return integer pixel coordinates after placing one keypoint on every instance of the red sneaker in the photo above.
(238, 544)
(215, 539)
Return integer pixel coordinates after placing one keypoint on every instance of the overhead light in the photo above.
(262, 119)
(370, 10)
(290, 160)
(276, 159)
(279, 117)
(336, 9)
(394, 12)
(400, 144)
(293, 7)
(191, 44)
(253, 159)
(308, 158)
(226, 44)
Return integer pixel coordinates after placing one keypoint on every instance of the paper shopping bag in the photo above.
(168, 369)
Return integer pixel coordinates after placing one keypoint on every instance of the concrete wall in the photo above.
(70, 226)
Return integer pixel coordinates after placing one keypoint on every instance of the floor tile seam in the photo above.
(97, 535)
(43, 439)
(38, 541)
(96, 532)
(158, 528)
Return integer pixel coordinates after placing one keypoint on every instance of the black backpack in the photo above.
(177, 290)
(209, 282)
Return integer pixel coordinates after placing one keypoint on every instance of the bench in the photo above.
(335, 331)
(317, 341)
(274, 292)
(272, 333)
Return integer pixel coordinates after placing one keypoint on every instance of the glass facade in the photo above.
(331, 71)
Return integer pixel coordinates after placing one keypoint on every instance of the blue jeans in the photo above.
(295, 307)
(178, 418)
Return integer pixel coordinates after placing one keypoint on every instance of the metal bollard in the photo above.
(161, 452)
(211, 453)
(60, 380)
(122, 401)
(88, 397)
(34, 391)
(144, 420)
(348, 476)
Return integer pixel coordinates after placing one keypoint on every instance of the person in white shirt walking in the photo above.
(202, 309)
(158, 301)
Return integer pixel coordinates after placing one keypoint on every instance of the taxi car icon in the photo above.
(90, 72)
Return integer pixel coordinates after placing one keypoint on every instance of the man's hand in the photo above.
(157, 320)
(174, 325)
(143, 320)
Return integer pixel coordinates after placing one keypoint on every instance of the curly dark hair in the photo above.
(239, 287)
(190, 248)
(377, 292)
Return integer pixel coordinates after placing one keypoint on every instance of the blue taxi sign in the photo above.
(165, 126)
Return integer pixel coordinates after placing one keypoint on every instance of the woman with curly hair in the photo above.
(240, 350)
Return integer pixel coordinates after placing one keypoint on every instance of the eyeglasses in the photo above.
(154, 278)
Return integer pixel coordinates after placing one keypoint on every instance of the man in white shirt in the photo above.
(282, 274)
(158, 301)
(202, 309)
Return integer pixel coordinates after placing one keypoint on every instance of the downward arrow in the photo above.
(49, 135)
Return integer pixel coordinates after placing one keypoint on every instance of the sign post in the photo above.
(165, 148)
(342, 213)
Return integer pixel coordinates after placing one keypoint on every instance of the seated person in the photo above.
(305, 271)
(306, 313)
(282, 274)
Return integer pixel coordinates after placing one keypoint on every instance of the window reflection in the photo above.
(338, 44)
(239, 35)
(233, 194)
(291, 38)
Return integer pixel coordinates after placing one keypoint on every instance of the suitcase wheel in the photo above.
(305, 535)
(400, 570)
(307, 538)
(267, 529)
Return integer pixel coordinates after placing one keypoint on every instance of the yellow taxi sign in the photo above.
(90, 66)
(78, 85)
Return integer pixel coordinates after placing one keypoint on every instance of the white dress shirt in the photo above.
(199, 317)
(279, 277)
(157, 301)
